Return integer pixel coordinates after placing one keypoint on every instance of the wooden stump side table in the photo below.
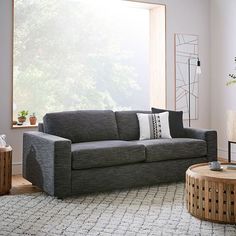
(211, 195)
(5, 169)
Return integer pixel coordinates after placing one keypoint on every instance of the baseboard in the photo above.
(223, 153)
(16, 168)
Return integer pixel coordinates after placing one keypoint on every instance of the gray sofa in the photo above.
(86, 151)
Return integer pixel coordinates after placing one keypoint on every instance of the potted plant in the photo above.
(22, 116)
(14, 122)
(33, 119)
(232, 77)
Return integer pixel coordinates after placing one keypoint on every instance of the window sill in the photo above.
(24, 126)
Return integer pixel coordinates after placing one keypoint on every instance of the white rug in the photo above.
(158, 210)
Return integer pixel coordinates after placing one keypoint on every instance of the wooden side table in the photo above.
(211, 195)
(5, 169)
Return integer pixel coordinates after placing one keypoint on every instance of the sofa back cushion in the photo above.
(175, 122)
(128, 125)
(83, 125)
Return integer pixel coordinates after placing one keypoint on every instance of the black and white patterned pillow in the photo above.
(154, 126)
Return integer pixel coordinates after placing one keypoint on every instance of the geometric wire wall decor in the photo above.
(186, 46)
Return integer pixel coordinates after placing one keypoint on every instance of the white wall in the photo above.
(183, 16)
(189, 17)
(223, 51)
(14, 135)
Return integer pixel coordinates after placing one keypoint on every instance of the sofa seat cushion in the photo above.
(173, 149)
(106, 153)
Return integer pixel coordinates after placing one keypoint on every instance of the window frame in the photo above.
(164, 62)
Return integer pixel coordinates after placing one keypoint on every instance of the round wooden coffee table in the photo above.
(211, 195)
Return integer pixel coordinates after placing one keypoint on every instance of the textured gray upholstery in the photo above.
(40, 127)
(47, 162)
(210, 136)
(173, 149)
(105, 153)
(93, 164)
(128, 125)
(82, 126)
(133, 175)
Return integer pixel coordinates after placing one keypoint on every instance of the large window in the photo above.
(87, 54)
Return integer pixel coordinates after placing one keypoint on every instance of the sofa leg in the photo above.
(60, 198)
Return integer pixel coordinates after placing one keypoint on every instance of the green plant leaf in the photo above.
(230, 82)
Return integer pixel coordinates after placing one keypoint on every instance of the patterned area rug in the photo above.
(158, 210)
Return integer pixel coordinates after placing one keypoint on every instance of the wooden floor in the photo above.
(21, 185)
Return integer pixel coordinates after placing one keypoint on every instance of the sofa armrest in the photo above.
(47, 162)
(210, 136)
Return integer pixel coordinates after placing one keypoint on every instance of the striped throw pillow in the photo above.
(154, 126)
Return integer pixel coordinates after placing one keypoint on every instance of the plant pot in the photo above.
(14, 122)
(21, 119)
(33, 120)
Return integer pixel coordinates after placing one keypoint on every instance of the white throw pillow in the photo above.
(154, 126)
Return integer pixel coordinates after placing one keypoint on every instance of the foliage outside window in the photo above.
(80, 54)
